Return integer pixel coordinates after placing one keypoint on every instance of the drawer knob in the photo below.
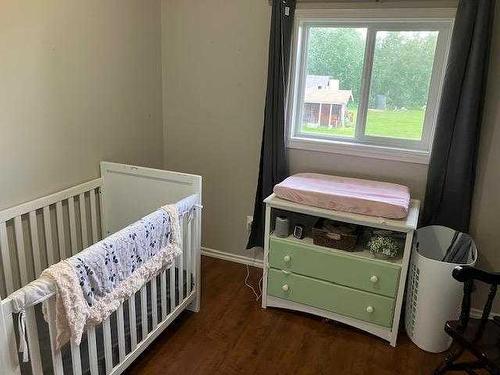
(374, 279)
(285, 288)
(369, 309)
(287, 258)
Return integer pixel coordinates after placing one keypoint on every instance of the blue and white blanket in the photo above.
(92, 284)
(104, 266)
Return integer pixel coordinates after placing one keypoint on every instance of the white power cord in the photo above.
(250, 286)
(257, 295)
(260, 284)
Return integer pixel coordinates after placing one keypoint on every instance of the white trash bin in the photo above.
(433, 295)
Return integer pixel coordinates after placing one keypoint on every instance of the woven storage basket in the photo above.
(331, 234)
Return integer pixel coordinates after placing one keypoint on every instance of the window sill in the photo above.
(359, 149)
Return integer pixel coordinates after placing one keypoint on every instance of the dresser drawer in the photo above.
(357, 304)
(340, 267)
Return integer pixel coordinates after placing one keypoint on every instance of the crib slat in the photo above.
(94, 368)
(21, 252)
(35, 245)
(33, 343)
(163, 292)
(104, 230)
(7, 265)
(144, 312)
(56, 354)
(154, 303)
(121, 332)
(132, 320)
(108, 352)
(72, 225)
(51, 256)
(83, 220)
(172, 286)
(180, 287)
(93, 216)
(75, 359)
(60, 231)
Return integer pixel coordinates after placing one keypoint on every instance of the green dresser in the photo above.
(369, 307)
(351, 287)
(337, 266)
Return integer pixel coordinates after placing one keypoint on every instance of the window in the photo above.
(368, 85)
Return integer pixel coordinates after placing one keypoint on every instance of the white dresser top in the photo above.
(405, 225)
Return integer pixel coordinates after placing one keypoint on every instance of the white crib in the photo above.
(37, 234)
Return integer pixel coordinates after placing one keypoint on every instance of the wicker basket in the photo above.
(336, 235)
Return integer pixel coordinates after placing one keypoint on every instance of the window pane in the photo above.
(332, 80)
(401, 75)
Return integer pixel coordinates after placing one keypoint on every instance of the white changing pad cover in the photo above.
(373, 198)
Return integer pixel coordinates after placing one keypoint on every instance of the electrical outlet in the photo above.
(249, 223)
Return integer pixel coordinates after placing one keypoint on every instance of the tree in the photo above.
(338, 53)
(402, 68)
(402, 62)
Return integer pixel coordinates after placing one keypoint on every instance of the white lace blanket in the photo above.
(93, 284)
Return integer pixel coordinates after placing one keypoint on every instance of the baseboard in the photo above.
(231, 257)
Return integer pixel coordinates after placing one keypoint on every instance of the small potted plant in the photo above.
(383, 247)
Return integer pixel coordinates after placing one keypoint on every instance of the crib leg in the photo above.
(195, 305)
(196, 256)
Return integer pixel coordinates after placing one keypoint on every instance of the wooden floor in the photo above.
(233, 335)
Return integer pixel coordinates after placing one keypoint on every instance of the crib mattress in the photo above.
(346, 194)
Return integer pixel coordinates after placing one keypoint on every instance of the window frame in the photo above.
(373, 20)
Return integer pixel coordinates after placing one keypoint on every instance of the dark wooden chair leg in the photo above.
(448, 362)
(479, 337)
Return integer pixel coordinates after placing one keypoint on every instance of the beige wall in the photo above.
(485, 220)
(214, 66)
(80, 82)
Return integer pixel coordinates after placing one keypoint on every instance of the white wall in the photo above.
(80, 82)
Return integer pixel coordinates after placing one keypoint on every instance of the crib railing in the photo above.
(112, 346)
(42, 232)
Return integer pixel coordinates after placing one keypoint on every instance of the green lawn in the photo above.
(393, 124)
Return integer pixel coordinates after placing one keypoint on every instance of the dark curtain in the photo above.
(452, 168)
(273, 167)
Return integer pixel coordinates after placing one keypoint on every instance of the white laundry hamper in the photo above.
(433, 295)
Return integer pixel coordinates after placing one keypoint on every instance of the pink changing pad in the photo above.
(346, 194)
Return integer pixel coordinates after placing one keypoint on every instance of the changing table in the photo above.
(350, 287)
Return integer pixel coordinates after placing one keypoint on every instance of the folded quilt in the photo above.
(92, 285)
